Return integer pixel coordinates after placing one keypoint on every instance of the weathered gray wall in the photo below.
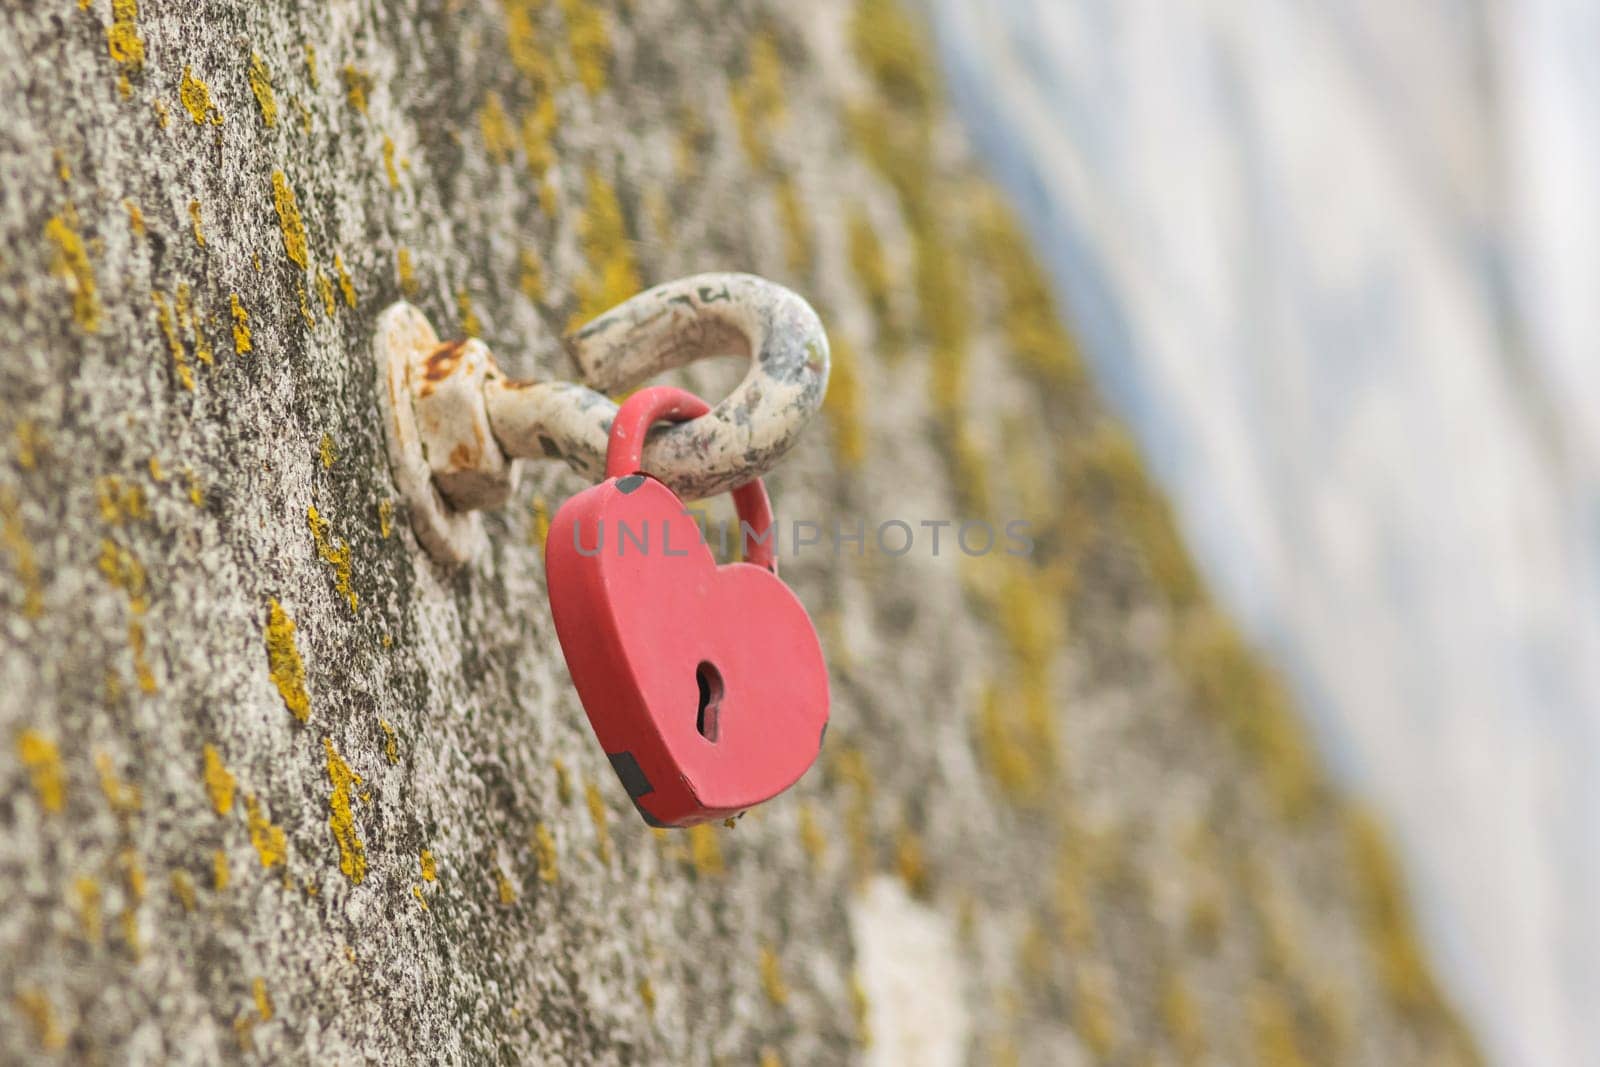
(1062, 815)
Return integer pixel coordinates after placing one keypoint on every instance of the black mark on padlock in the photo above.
(632, 775)
(707, 721)
(630, 483)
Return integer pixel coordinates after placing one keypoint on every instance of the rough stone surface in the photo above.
(277, 789)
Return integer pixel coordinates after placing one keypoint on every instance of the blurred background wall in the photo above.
(1339, 265)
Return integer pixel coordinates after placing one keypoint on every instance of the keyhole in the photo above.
(709, 680)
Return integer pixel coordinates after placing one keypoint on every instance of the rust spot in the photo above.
(442, 362)
(462, 457)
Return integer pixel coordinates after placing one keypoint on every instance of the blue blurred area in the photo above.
(1339, 266)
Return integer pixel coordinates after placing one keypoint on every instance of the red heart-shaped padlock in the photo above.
(704, 684)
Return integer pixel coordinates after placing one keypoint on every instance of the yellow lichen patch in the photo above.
(30, 443)
(798, 242)
(195, 226)
(72, 266)
(530, 275)
(1005, 752)
(129, 921)
(563, 781)
(133, 871)
(219, 782)
(258, 990)
(861, 1010)
(407, 273)
(1226, 681)
(14, 537)
(325, 291)
(261, 86)
(612, 276)
(335, 553)
(1033, 326)
(539, 529)
(347, 287)
(388, 162)
(284, 663)
(137, 644)
(757, 98)
(871, 268)
(270, 844)
(163, 117)
(705, 850)
(289, 220)
(311, 65)
(843, 404)
(385, 520)
(503, 887)
(122, 36)
(1180, 1018)
(241, 325)
(305, 305)
(220, 875)
(812, 839)
(244, 1032)
(86, 902)
(135, 217)
(422, 901)
(1094, 1013)
(183, 889)
(197, 495)
(34, 1005)
(119, 565)
(342, 819)
(588, 41)
(772, 983)
(119, 503)
(544, 853)
(849, 767)
(1275, 1031)
(597, 812)
(1391, 937)
(357, 84)
(195, 95)
(202, 345)
(391, 742)
(123, 797)
(469, 318)
(892, 47)
(430, 870)
(910, 862)
(495, 125)
(647, 996)
(770, 1058)
(538, 130)
(43, 762)
(327, 451)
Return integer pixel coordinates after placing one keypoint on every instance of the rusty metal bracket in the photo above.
(456, 424)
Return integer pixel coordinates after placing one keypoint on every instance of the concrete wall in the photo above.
(278, 789)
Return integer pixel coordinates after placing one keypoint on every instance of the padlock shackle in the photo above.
(625, 451)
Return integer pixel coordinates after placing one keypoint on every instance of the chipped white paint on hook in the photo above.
(911, 973)
(402, 344)
(455, 424)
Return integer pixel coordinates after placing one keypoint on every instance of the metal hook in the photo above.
(456, 425)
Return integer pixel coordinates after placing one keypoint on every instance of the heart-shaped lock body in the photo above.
(704, 684)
